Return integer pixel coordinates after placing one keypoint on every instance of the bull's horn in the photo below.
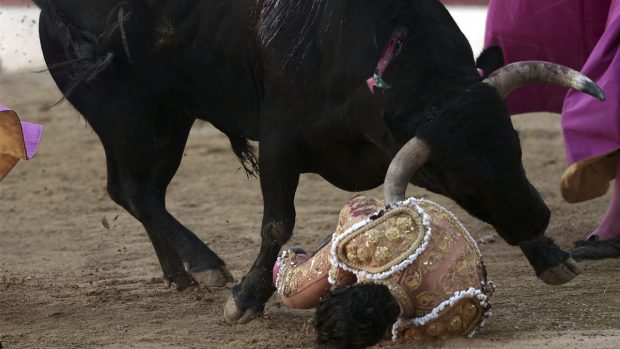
(515, 75)
(409, 159)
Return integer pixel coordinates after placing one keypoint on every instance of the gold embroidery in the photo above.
(404, 223)
(373, 236)
(351, 253)
(455, 324)
(292, 287)
(451, 320)
(445, 243)
(462, 274)
(436, 213)
(363, 254)
(377, 234)
(429, 259)
(394, 235)
(426, 300)
(410, 333)
(472, 312)
(413, 281)
(469, 311)
(382, 254)
(391, 222)
(435, 329)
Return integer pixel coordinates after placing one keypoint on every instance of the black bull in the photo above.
(290, 74)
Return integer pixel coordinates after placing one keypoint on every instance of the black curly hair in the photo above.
(355, 317)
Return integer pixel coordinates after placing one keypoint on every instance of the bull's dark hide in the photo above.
(290, 74)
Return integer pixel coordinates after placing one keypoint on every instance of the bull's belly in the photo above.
(352, 170)
(353, 183)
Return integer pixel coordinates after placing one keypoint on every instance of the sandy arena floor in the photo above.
(67, 281)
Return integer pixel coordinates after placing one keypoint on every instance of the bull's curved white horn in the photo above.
(409, 159)
(512, 76)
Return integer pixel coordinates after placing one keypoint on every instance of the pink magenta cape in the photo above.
(30, 136)
(584, 35)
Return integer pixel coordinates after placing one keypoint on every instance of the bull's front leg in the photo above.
(279, 177)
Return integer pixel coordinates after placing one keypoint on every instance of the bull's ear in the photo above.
(491, 59)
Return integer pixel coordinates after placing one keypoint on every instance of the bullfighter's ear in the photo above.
(491, 59)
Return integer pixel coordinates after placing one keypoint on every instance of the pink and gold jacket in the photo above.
(417, 248)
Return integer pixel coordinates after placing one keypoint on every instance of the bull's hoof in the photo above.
(552, 265)
(561, 274)
(181, 283)
(213, 277)
(234, 315)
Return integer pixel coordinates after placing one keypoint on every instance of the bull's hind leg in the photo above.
(171, 264)
(169, 150)
(142, 136)
(146, 154)
(144, 147)
(146, 157)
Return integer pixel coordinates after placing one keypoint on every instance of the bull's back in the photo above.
(332, 46)
(198, 54)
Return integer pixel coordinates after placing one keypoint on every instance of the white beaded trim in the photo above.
(282, 261)
(279, 261)
(330, 278)
(434, 314)
(362, 274)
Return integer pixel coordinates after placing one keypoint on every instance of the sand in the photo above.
(68, 281)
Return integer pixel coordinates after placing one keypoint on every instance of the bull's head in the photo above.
(468, 150)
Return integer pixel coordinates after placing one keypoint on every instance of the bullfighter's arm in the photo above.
(302, 280)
